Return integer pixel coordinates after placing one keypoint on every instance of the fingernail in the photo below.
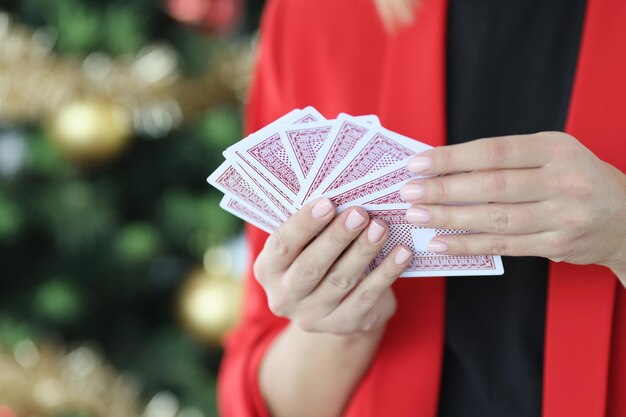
(411, 192)
(354, 220)
(419, 164)
(418, 215)
(402, 256)
(437, 247)
(321, 208)
(375, 232)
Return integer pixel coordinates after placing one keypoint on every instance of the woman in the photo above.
(548, 338)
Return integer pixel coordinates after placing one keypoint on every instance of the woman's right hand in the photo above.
(312, 269)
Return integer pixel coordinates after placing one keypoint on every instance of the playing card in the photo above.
(302, 143)
(294, 116)
(345, 134)
(265, 194)
(372, 186)
(229, 181)
(309, 115)
(425, 263)
(263, 156)
(246, 213)
(388, 195)
(367, 118)
(380, 149)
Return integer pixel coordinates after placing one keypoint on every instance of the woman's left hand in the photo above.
(543, 194)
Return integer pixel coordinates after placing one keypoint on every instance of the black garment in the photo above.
(510, 70)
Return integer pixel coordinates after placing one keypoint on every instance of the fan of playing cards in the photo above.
(351, 160)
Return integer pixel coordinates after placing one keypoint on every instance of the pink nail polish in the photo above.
(375, 232)
(354, 220)
(411, 192)
(420, 164)
(321, 208)
(402, 256)
(418, 215)
(437, 247)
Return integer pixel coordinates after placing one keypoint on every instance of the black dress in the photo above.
(510, 70)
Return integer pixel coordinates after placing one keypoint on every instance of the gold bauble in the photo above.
(209, 306)
(91, 131)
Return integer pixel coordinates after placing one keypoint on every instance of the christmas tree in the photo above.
(112, 246)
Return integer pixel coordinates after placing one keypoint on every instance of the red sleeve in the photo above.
(238, 389)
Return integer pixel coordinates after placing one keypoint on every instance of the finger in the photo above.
(503, 186)
(487, 218)
(535, 244)
(356, 306)
(518, 151)
(311, 266)
(348, 269)
(286, 243)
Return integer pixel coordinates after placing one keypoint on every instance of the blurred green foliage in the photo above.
(58, 301)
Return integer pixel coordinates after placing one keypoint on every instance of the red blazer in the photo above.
(336, 56)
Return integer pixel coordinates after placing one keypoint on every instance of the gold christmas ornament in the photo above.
(209, 306)
(91, 131)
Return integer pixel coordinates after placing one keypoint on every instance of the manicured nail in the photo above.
(354, 220)
(321, 208)
(375, 232)
(437, 247)
(418, 215)
(402, 256)
(411, 192)
(419, 164)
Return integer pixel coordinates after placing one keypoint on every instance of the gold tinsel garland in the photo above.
(35, 83)
(47, 381)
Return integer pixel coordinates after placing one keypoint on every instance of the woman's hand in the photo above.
(547, 196)
(312, 269)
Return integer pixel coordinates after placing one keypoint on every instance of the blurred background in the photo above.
(119, 273)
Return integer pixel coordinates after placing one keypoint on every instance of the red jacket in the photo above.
(335, 55)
